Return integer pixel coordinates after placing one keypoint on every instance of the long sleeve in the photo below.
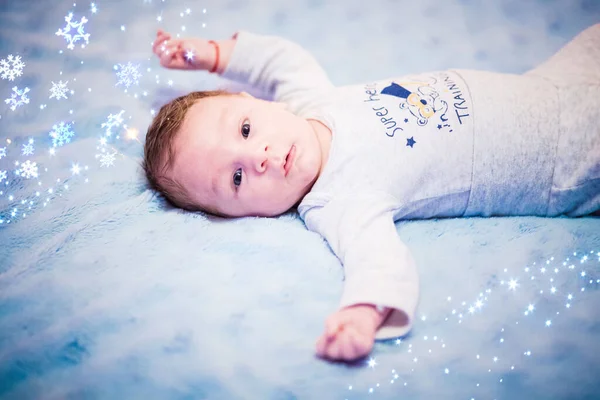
(379, 268)
(278, 67)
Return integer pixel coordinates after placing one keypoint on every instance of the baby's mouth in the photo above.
(289, 160)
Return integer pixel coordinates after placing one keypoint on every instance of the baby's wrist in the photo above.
(377, 314)
(222, 54)
(382, 314)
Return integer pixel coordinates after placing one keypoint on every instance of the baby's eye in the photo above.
(237, 177)
(246, 130)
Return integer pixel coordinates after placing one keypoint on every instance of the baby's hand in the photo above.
(190, 53)
(349, 333)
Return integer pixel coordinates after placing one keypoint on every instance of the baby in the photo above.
(355, 159)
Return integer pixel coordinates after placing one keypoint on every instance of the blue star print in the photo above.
(410, 142)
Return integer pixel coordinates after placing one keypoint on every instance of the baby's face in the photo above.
(243, 156)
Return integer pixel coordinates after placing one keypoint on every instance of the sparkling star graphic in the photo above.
(372, 363)
(189, 55)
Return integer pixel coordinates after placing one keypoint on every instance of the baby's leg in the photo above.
(576, 63)
(575, 71)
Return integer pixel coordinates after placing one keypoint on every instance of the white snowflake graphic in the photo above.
(127, 75)
(28, 148)
(61, 134)
(112, 121)
(107, 159)
(2, 175)
(59, 90)
(18, 98)
(78, 27)
(11, 67)
(2, 152)
(28, 170)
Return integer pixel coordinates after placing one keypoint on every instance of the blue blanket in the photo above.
(107, 292)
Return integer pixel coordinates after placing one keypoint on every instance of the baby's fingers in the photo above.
(338, 347)
(327, 346)
(162, 35)
(321, 346)
(334, 349)
(349, 345)
(345, 346)
(162, 39)
(361, 345)
(332, 327)
(171, 57)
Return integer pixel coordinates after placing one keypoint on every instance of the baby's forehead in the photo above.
(208, 120)
(200, 135)
(200, 122)
(209, 113)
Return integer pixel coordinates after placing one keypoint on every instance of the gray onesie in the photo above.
(440, 144)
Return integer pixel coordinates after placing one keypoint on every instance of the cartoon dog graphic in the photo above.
(423, 104)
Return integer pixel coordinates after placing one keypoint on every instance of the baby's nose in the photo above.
(266, 159)
(262, 158)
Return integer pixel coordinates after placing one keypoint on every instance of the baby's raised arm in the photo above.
(276, 66)
(192, 53)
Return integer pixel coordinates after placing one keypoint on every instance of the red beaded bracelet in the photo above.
(214, 68)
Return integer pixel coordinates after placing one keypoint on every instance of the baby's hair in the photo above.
(159, 154)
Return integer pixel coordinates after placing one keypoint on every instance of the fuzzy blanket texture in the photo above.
(106, 292)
